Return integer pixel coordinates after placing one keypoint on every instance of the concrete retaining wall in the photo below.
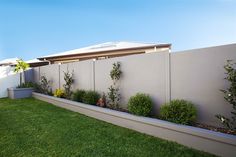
(201, 139)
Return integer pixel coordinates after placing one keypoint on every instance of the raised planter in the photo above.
(201, 139)
(17, 93)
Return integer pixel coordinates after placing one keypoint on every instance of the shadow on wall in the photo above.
(9, 81)
(5, 71)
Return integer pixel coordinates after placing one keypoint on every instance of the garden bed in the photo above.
(213, 128)
(201, 139)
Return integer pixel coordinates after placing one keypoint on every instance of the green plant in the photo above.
(115, 73)
(113, 94)
(21, 66)
(59, 93)
(230, 96)
(68, 83)
(90, 97)
(102, 101)
(45, 86)
(78, 95)
(27, 85)
(38, 88)
(179, 111)
(140, 104)
(113, 97)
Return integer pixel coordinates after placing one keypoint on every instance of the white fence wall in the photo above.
(140, 73)
(198, 75)
(52, 73)
(82, 73)
(194, 75)
(7, 79)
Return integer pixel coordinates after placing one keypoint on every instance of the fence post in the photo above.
(93, 69)
(168, 77)
(39, 74)
(59, 69)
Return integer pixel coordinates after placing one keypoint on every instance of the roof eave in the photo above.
(122, 49)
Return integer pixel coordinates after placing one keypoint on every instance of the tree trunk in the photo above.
(20, 79)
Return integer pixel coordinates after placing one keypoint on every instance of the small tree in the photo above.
(113, 94)
(230, 96)
(21, 66)
(45, 86)
(68, 77)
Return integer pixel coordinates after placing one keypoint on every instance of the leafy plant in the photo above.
(90, 97)
(179, 111)
(27, 85)
(230, 96)
(102, 101)
(78, 95)
(115, 73)
(21, 66)
(45, 86)
(59, 93)
(67, 86)
(113, 97)
(140, 104)
(113, 94)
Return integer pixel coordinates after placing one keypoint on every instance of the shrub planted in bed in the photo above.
(140, 104)
(179, 111)
(78, 95)
(27, 85)
(90, 97)
(60, 93)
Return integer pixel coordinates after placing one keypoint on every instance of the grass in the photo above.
(29, 127)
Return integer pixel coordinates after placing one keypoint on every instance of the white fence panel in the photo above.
(8, 79)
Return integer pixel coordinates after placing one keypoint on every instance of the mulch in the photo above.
(213, 128)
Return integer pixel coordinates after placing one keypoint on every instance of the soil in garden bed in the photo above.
(213, 128)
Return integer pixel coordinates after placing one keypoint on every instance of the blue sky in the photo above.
(30, 28)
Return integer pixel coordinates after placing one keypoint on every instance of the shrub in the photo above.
(90, 97)
(179, 111)
(44, 86)
(230, 96)
(115, 73)
(78, 95)
(140, 104)
(27, 85)
(68, 77)
(113, 95)
(59, 93)
(102, 101)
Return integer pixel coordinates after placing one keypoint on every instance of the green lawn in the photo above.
(29, 127)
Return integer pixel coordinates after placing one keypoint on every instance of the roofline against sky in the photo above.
(121, 49)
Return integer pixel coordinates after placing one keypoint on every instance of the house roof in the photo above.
(34, 61)
(9, 61)
(108, 46)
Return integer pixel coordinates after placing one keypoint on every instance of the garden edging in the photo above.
(201, 139)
